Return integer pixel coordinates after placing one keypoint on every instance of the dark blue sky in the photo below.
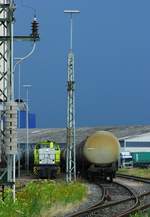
(112, 61)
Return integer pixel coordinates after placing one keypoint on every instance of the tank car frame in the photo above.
(102, 172)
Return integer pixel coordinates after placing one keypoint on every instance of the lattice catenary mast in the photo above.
(8, 107)
(70, 148)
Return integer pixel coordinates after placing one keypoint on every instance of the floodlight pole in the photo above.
(70, 146)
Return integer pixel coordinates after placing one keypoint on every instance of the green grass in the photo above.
(141, 214)
(37, 197)
(136, 172)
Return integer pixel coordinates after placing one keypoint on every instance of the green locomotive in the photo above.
(46, 159)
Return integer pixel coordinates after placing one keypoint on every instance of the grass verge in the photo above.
(136, 172)
(41, 199)
(141, 214)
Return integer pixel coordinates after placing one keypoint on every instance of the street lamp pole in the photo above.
(19, 115)
(19, 84)
(27, 86)
(19, 97)
(71, 12)
(19, 61)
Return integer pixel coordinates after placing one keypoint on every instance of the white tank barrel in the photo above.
(101, 148)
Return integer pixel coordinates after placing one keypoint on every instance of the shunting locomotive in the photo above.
(46, 159)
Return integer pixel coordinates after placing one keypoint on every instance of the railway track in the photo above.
(117, 199)
(136, 178)
(130, 203)
(144, 198)
(109, 204)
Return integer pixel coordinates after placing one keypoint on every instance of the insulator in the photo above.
(35, 29)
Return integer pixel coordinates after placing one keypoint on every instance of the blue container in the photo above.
(32, 120)
(22, 119)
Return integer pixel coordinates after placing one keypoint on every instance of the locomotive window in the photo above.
(57, 147)
(43, 146)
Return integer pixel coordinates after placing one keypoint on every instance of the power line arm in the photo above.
(20, 59)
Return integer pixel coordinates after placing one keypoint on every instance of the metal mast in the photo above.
(8, 108)
(70, 148)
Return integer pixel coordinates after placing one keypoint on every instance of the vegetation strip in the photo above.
(37, 197)
(93, 206)
(143, 173)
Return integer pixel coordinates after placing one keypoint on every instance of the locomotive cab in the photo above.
(46, 159)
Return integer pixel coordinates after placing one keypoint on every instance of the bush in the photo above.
(37, 196)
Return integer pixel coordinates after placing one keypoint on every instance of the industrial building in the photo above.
(59, 134)
(139, 147)
(137, 143)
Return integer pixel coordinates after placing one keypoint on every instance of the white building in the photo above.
(137, 143)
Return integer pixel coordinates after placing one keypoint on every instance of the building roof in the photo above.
(145, 137)
(59, 134)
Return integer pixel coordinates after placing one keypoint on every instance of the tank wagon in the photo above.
(98, 156)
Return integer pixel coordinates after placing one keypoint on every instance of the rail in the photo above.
(136, 178)
(143, 198)
(96, 209)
